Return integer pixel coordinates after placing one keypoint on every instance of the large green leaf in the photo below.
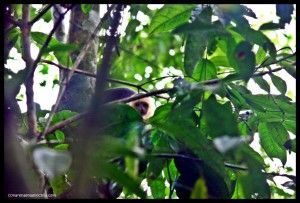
(113, 172)
(244, 60)
(213, 113)
(205, 70)
(194, 49)
(274, 104)
(59, 184)
(291, 69)
(86, 8)
(259, 187)
(199, 191)
(169, 17)
(184, 131)
(54, 44)
(158, 188)
(279, 83)
(262, 83)
(220, 61)
(272, 137)
(256, 37)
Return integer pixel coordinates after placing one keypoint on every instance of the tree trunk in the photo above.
(80, 88)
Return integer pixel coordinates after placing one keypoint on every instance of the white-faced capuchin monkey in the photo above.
(108, 189)
(145, 106)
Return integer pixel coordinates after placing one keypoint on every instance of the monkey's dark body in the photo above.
(117, 94)
(108, 189)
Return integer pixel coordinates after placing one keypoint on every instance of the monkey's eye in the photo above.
(142, 107)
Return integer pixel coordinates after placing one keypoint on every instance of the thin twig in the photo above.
(40, 14)
(149, 94)
(80, 71)
(65, 123)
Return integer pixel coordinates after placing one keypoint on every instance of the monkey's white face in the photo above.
(145, 106)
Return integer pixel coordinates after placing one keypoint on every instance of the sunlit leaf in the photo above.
(169, 17)
(157, 188)
(272, 137)
(279, 83)
(199, 190)
(213, 113)
(262, 83)
(205, 70)
(86, 8)
(60, 136)
(59, 184)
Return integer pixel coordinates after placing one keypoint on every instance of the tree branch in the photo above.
(79, 71)
(149, 94)
(26, 55)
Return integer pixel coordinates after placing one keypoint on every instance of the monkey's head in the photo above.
(145, 106)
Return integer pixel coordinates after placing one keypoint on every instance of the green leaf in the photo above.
(86, 8)
(291, 69)
(290, 125)
(270, 26)
(63, 58)
(194, 49)
(121, 122)
(154, 168)
(220, 61)
(60, 50)
(157, 188)
(59, 184)
(62, 147)
(44, 70)
(169, 17)
(260, 55)
(279, 83)
(274, 104)
(244, 59)
(47, 16)
(60, 136)
(199, 191)
(259, 187)
(179, 129)
(272, 137)
(256, 37)
(239, 189)
(40, 38)
(262, 83)
(113, 172)
(62, 47)
(205, 70)
(43, 84)
(62, 115)
(213, 113)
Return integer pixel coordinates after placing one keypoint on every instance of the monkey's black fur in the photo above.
(117, 94)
